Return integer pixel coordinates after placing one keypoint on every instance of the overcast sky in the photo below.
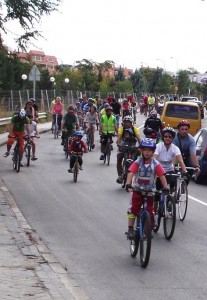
(127, 32)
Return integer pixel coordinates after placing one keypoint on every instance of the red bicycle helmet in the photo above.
(183, 123)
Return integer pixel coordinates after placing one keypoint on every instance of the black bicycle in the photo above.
(17, 155)
(55, 127)
(28, 149)
(129, 152)
(165, 208)
(68, 136)
(76, 166)
(89, 137)
(108, 148)
(143, 231)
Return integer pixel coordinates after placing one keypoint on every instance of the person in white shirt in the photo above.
(167, 153)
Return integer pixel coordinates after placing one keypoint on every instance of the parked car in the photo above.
(201, 153)
(200, 104)
(186, 98)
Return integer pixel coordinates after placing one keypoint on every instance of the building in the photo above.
(40, 58)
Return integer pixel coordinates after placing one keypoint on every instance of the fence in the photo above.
(12, 100)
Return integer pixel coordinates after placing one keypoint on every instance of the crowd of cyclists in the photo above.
(154, 155)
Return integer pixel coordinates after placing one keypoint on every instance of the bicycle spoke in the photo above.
(169, 217)
(182, 201)
(145, 240)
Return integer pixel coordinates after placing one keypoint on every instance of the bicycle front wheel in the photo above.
(55, 132)
(28, 154)
(134, 246)
(158, 215)
(108, 155)
(89, 141)
(169, 217)
(75, 171)
(182, 200)
(145, 239)
(14, 159)
(18, 160)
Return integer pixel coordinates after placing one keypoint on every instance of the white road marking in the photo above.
(197, 200)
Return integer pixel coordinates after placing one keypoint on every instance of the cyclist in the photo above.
(70, 123)
(107, 128)
(154, 122)
(122, 140)
(142, 174)
(91, 119)
(77, 147)
(29, 109)
(151, 102)
(116, 109)
(35, 106)
(57, 109)
(186, 143)
(125, 108)
(18, 122)
(103, 110)
(166, 153)
(134, 108)
(87, 106)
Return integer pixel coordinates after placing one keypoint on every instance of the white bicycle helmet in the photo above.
(22, 113)
(128, 118)
(153, 113)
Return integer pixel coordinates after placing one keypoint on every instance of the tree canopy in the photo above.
(27, 12)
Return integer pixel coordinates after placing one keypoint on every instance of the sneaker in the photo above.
(93, 146)
(34, 158)
(119, 180)
(21, 164)
(70, 171)
(6, 154)
(102, 157)
(130, 233)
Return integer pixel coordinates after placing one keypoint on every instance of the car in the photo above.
(175, 111)
(187, 98)
(200, 104)
(201, 153)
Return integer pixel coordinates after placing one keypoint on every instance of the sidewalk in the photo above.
(28, 270)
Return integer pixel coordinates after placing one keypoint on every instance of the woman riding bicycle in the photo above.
(166, 153)
(91, 119)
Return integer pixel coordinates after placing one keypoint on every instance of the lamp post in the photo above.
(52, 79)
(162, 62)
(66, 84)
(24, 77)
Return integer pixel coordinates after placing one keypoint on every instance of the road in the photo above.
(84, 223)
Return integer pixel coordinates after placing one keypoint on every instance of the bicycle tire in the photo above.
(28, 154)
(66, 148)
(124, 175)
(89, 140)
(145, 239)
(75, 171)
(182, 201)
(169, 218)
(14, 159)
(158, 216)
(134, 246)
(55, 132)
(108, 155)
(18, 160)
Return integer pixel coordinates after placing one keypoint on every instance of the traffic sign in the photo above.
(34, 74)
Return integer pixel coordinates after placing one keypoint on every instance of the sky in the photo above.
(169, 34)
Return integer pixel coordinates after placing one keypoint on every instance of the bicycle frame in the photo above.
(76, 168)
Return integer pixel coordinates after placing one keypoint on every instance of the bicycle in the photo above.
(127, 161)
(108, 148)
(165, 208)
(143, 231)
(17, 155)
(27, 149)
(55, 130)
(67, 141)
(76, 166)
(181, 193)
(89, 137)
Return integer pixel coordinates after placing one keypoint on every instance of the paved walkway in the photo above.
(28, 270)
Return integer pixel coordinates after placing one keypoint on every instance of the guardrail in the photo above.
(5, 121)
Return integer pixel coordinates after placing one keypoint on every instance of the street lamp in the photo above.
(52, 79)
(24, 77)
(66, 83)
(162, 62)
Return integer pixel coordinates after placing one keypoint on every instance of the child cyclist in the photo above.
(77, 147)
(142, 175)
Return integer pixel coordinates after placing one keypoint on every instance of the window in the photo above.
(182, 111)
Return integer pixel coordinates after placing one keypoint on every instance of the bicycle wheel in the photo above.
(28, 154)
(169, 217)
(18, 160)
(55, 131)
(124, 175)
(158, 216)
(108, 156)
(14, 159)
(182, 200)
(89, 140)
(66, 148)
(145, 239)
(134, 245)
(75, 171)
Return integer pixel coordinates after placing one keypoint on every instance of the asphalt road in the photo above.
(84, 223)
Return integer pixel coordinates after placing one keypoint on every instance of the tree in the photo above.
(183, 82)
(26, 12)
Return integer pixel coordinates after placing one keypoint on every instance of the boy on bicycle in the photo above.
(142, 175)
(77, 147)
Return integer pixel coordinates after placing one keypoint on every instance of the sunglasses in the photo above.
(168, 136)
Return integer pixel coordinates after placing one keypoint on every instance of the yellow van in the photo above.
(174, 111)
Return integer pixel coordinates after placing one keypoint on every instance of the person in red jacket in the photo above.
(77, 147)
